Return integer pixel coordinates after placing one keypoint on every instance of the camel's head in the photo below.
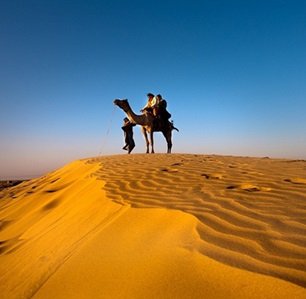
(123, 104)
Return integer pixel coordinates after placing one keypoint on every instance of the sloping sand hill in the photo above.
(157, 226)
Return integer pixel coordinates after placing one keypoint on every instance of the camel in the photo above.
(146, 122)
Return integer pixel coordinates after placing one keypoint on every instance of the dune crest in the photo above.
(44, 220)
(139, 226)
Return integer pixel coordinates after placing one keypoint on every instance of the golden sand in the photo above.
(157, 226)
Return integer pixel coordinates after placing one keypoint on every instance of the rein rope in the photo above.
(104, 139)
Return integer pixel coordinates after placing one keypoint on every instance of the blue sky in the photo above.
(233, 73)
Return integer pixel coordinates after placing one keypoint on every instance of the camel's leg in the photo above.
(168, 136)
(152, 142)
(144, 132)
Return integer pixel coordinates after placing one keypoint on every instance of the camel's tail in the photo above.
(173, 127)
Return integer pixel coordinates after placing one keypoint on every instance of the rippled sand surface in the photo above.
(141, 226)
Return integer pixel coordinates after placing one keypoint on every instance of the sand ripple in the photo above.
(251, 211)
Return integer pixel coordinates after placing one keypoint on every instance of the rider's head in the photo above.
(159, 96)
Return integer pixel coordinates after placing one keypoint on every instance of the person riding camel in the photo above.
(152, 104)
(161, 108)
(157, 106)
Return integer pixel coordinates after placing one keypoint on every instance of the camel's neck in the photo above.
(137, 119)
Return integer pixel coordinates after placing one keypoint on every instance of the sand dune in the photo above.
(166, 226)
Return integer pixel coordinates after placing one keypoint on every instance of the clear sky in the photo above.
(233, 73)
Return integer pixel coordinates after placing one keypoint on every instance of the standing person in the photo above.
(128, 135)
(152, 104)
